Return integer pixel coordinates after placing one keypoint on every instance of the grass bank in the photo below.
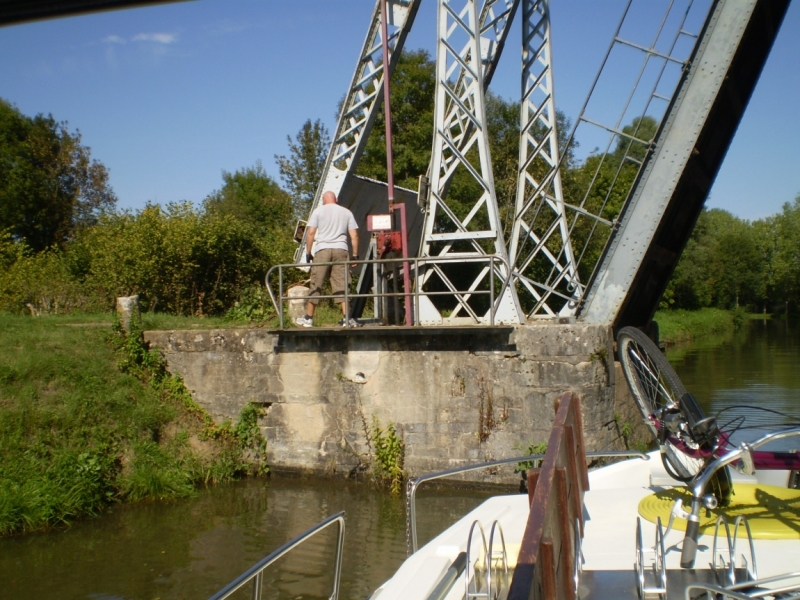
(683, 325)
(89, 417)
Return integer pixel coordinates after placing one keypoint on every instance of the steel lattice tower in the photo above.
(540, 249)
(467, 232)
(364, 98)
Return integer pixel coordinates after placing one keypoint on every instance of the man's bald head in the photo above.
(329, 198)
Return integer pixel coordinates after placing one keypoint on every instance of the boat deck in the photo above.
(609, 542)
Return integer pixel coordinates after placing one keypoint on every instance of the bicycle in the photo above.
(695, 448)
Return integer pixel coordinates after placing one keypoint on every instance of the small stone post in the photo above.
(297, 306)
(127, 308)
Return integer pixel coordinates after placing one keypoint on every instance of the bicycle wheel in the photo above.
(652, 381)
(655, 386)
(679, 465)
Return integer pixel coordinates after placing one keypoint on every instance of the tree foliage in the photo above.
(178, 259)
(49, 185)
(251, 196)
(721, 265)
(729, 262)
(301, 171)
(786, 269)
(412, 101)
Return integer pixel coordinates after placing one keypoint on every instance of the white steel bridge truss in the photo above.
(539, 268)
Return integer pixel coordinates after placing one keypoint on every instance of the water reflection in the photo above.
(192, 548)
(756, 366)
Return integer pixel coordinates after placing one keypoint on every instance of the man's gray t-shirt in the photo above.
(333, 223)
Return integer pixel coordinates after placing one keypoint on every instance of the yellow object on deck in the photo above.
(772, 512)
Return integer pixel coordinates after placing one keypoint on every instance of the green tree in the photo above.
(600, 186)
(178, 259)
(412, 97)
(691, 286)
(724, 265)
(641, 128)
(503, 126)
(252, 196)
(765, 239)
(787, 257)
(49, 185)
(503, 123)
(301, 171)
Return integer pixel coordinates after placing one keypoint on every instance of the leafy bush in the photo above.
(389, 456)
(529, 449)
(179, 259)
(254, 304)
(43, 283)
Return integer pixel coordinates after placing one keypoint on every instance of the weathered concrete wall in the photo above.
(455, 395)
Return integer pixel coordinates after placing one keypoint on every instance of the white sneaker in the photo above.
(305, 321)
(349, 323)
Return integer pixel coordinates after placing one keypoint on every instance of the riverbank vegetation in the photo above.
(731, 270)
(89, 417)
(387, 453)
(676, 326)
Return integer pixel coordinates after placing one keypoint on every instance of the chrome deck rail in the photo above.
(414, 482)
(255, 572)
(748, 590)
(495, 263)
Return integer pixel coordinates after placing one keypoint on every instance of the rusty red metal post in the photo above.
(390, 160)
(386, 103)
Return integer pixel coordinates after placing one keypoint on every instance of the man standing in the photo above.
(329, 226)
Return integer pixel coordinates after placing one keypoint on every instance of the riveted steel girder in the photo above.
(670, 192)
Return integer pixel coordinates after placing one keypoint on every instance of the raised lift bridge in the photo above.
(666, 102)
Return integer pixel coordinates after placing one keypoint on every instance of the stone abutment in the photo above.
(455, 395)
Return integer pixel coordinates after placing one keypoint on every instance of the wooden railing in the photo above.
(546, 566)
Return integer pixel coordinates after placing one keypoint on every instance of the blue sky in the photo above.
(169, 96)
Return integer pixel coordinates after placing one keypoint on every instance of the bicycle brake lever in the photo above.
(677, 511)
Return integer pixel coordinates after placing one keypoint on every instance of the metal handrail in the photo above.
(494, 261)
(255, 572)
(476, 594)
(414, 482)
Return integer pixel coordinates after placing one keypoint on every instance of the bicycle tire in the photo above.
(651, 379)
(654, 385)
(679, 465)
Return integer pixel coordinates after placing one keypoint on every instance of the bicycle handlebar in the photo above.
(745, 453)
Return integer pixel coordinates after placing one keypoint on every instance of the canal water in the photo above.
(190, 549)
(758, 366)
